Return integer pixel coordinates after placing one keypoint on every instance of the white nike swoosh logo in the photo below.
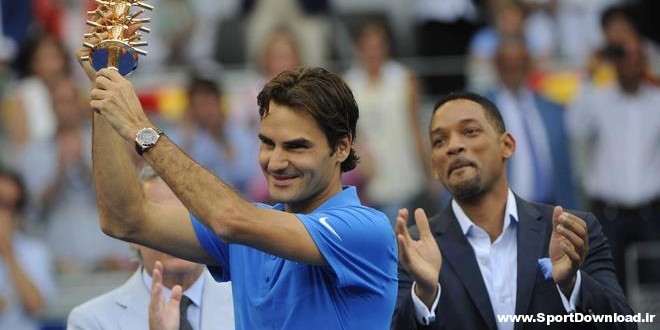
(324, 222)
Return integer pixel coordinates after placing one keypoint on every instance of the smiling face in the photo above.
(468, 152)
(299, 165)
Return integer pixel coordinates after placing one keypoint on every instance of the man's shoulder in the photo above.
(94, 312)
(102, 306)
(95, 306)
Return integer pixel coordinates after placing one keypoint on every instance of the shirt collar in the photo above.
(347, 196)
(194, 292)
(510, 213)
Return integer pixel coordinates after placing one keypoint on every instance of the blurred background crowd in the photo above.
(576, 81)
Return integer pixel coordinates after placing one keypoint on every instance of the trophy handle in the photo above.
(119, 49)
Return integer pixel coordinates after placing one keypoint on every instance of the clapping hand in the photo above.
(163, 315)
(569, 245)
(420, 258)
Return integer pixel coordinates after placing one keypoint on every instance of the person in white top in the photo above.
(27, 285)
(388, 96)
(615, 129)
(42, 61)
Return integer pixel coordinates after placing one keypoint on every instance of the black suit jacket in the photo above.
(464, 302)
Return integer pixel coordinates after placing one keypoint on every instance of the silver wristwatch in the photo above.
(146, 138)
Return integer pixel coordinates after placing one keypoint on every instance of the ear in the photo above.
(508, 144)
(343, 148)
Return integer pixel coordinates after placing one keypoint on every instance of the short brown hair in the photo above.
(322, 94)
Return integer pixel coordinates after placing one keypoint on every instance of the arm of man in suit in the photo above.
(578, 245)
(419, 265)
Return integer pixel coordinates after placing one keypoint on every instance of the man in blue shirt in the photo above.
(317, 259)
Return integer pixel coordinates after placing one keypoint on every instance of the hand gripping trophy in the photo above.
(115, 34)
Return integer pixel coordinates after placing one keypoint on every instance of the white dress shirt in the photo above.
(621, 133)
(194, 292)
(498, 266)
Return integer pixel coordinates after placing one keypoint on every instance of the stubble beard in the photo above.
(466, 190)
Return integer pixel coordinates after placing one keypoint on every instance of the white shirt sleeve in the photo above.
(570, 303)
(422, 313)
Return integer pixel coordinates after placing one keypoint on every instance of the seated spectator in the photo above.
(41, 61)
(205, 134)
(26, 277)
(387, 94)
(508, 22)
(308, 20)
(541, 169)
(58, 177)
(615, 131)
(209, 303)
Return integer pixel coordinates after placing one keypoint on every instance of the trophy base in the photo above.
(114, 53)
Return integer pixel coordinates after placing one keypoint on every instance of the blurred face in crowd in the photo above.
(512, 63)
(468, 153)
(299, 165)
(619, 30)
(509, 18)
(281, 53)
(48, 60)
(373, 47)
(67, 106)
(630, 67)
(205, 107)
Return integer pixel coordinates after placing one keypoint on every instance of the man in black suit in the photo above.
(498, 254)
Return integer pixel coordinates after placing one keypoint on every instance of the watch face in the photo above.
(147, 137)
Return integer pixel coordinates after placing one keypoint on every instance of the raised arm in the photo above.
(212, 201)
(124, 212)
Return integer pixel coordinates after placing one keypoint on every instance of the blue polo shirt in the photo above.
(356, 290)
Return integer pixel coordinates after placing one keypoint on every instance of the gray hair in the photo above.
(146, 173)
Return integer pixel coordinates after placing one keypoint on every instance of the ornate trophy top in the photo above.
(116, 47)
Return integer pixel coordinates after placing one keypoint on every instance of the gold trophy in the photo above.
(116, 47)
